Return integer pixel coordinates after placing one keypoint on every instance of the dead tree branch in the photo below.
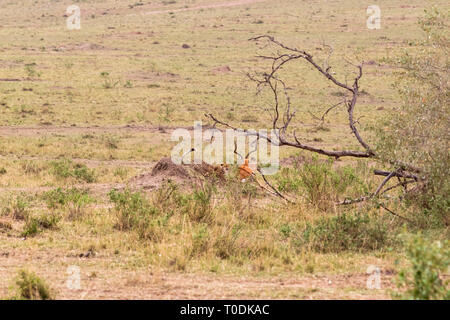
(388, 177)
(395, 174)
(272, 187)
(283, 112)
(280, 121)
(395, 214)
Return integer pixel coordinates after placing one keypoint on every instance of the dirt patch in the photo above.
(116, 282)
(9, 79)
(151, 75)
(221, 70)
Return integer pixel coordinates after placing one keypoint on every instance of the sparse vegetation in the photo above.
(418, 133)
(135, 212)
(83, 125)
(428, 264)
(31, 287)
(18, 207)
(75, 200)
(65, 169)
(347, 231)
(35, 224)
(320, 183)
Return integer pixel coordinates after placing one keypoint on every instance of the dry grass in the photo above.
(108, 96)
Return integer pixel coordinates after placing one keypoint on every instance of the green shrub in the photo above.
(168, 199)
(196, 205)
(428, 263)
(288, 180)
(34, 225)
(316, 182)
(30, 228)
(200, 206)
(61, 169)
(31, 287)
(285, 230)
(417, 133)
(64, 169)
(55, 198)
(135, 212)
(82, 173)
(323, 185)
(19, 207)
(347, 231)
(320, 183)
(74, 199)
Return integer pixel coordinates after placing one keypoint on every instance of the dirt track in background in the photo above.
(38, 130)
(206, 6)
(107, 283)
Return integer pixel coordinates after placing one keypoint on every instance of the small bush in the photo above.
(168, 198)
(289, 180)
(34, 225)
(323, 185)
(200, 206)
(75, 200)
(30, 228)
(65, 169)
(320, 183)
(61, 169)
(82, 173)
(428, 263)
(31, 287)
(55, 198)
(354, 232)
(135, 212)
(196, 205)
(417, 133)
(285, 230)
(18, 207)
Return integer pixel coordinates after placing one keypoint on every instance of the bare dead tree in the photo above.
(283, 113)
(281, 122)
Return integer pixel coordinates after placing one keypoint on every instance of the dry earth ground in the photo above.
(55, 103)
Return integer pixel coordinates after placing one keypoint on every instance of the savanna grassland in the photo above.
(84, 112)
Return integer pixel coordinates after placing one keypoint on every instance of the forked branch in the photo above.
(282, 113)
